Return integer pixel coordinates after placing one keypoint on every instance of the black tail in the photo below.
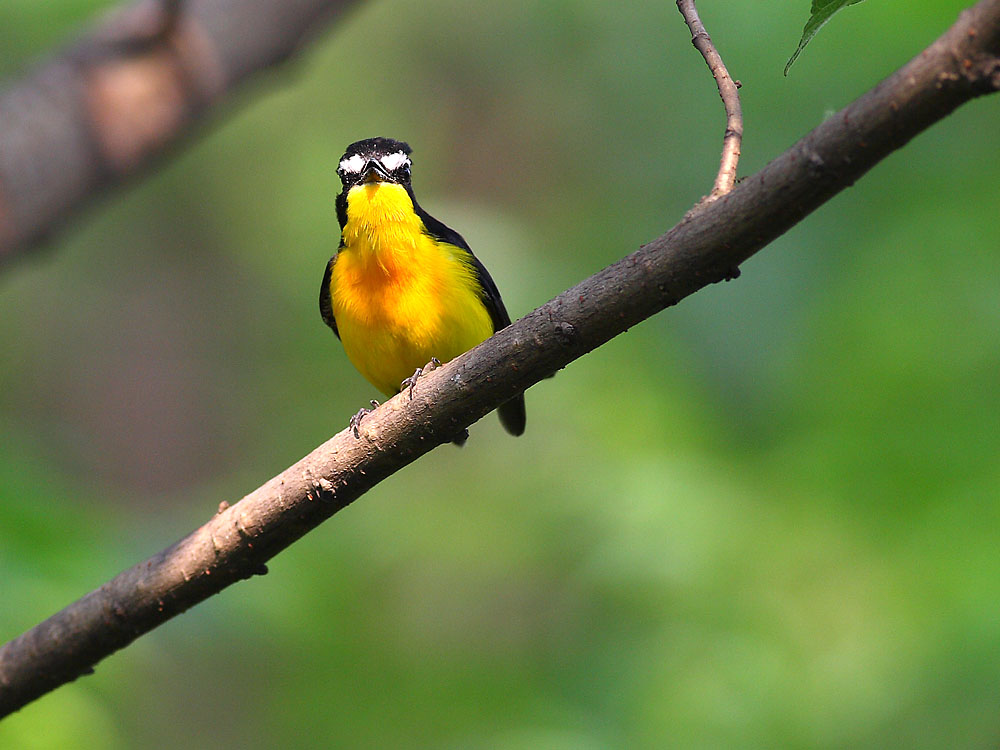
(512, 415)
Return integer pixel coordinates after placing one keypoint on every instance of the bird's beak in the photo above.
(374, 172)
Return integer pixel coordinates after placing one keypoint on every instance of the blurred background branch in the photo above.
(103, 109)
(705, 247)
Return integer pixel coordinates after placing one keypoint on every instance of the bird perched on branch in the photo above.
(403, 290)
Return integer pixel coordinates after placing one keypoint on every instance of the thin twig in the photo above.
(704, 247)
(728, 90)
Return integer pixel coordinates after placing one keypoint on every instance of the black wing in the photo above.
(512, 414)
(325, 303)
(488, 291)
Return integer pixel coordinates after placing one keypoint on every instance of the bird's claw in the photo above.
(355, 422)
(410, 383)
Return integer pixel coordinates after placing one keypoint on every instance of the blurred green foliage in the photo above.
(766, 518)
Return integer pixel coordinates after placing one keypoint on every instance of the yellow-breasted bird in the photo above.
(403, 289)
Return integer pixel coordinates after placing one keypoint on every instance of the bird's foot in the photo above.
(410, 383)
(355, 422)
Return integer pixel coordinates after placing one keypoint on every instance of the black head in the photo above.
(375, 160)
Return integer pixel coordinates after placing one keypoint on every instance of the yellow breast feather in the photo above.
(399, 296)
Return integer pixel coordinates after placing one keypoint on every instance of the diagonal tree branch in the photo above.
(102, 110)
(705, 247)
(728, 90)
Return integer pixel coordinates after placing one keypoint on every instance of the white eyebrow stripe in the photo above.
(392, 162)
(353, 165)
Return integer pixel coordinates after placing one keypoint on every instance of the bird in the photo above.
(404, 292)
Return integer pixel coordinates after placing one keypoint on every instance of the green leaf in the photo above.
(822, 11)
